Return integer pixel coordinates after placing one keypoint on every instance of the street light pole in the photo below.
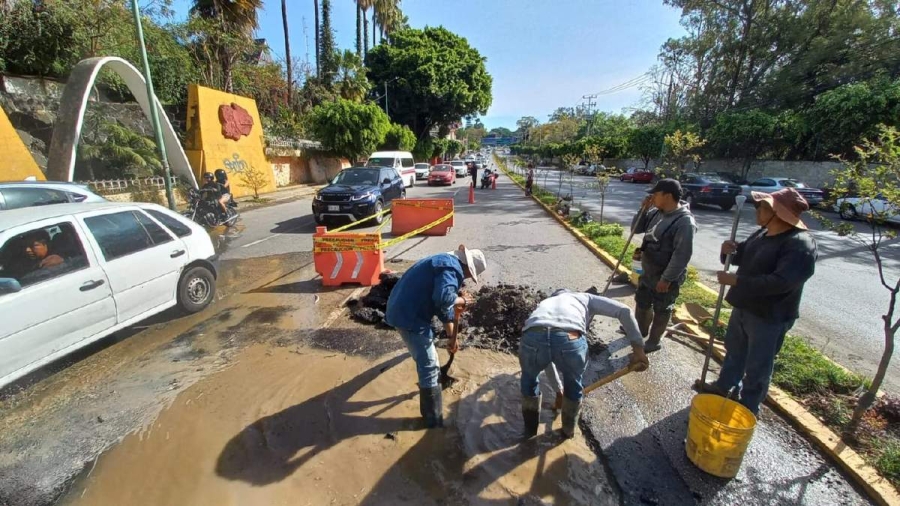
(154, 114)
(386, 112)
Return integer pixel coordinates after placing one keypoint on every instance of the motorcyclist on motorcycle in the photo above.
(487, 179)
(222, 179)
(217, 190)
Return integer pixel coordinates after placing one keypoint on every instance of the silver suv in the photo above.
(17, 194)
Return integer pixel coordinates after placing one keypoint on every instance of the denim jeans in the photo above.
(420, 344)
(751, 344)
(540, 346)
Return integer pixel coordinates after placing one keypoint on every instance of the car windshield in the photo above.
(792, 183)
(457, 164)
(357, 176)
(442, 168)
(381, 162)
(421, 165)
(713, 178)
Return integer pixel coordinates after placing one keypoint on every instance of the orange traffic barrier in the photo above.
(408, 215)
(472, 193)
(347, 257)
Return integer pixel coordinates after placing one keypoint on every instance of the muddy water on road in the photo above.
(298, 425)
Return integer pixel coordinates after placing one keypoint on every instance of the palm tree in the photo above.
(236, 18)
(388, 16)
(316, 6)
(351, 80)
(362, 7)
(287, 53)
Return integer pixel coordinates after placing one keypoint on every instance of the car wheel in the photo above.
(726, 207)
(848, 212)
(196, 289)
(379, 206)
(403, 194)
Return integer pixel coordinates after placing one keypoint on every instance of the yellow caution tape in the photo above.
(357, 222)
(387, 244)
(426, 205)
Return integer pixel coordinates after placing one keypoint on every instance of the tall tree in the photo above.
(287, 53)
(316, 7)
(236, 18)
(347, 128)
(328, 54)
(418, 99)
(359, 34)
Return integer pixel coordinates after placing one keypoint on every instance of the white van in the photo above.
(401, 161)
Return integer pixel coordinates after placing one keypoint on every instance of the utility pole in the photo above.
(388, 114)
(154, 114)
(590, 105)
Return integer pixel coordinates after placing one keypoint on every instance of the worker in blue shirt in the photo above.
(432, 287)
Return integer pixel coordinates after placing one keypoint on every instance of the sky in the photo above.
(542, 54)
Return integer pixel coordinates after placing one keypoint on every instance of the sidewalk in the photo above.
(292, 192)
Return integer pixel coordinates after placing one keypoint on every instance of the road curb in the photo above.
(877, 487)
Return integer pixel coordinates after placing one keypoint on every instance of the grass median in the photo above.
(823, 387)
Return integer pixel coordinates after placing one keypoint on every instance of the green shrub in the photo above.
(888, 459)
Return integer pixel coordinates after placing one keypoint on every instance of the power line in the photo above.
(631, 83)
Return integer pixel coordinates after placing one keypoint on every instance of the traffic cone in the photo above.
(471, 194)
(494, 182)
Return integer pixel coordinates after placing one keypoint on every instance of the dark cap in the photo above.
(671, 186)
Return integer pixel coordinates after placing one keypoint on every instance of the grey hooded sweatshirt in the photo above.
(668, 242)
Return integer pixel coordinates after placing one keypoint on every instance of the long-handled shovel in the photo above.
(627, 243)
(446, 379)
(608, 378)
(739, 200)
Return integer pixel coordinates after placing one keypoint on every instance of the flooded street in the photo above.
(272, 395)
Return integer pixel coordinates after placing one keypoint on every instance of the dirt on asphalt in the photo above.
(493, 323)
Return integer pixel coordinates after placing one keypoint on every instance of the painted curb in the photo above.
(877, 487)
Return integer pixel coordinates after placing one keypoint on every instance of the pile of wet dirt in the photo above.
(494, 322)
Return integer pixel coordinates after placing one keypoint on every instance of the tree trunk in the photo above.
(359, 35)
(374, 29)
(316, 4)
(365, 34)
(602, 205)
(287, 54)
(866, 401)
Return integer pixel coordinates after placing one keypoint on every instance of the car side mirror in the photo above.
(387, 180)
(9, 285)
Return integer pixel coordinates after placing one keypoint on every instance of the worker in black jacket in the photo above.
(773, 265)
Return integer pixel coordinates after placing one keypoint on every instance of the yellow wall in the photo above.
(18, 163)
(204, 135)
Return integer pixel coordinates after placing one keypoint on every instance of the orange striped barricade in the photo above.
(411, 214)
(347, 257)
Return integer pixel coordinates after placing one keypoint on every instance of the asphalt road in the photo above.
(60, 424)
(842, 304)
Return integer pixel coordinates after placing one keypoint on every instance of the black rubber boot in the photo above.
(660, 322)
(531, 414)
(570, 412)
(431, 407)
(643, 317)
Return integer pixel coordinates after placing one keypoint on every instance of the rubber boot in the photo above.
(643, 317)
(531, 413)
(570, 411)
(660, 322)
(431, 407)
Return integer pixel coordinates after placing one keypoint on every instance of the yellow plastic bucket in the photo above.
(719, 431)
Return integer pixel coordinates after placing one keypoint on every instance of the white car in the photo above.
(18, 194)
(459, 167)
(422, 170)
(71, 274)
(853, 208)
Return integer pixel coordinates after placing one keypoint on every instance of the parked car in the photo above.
(358, 192)
(71, 274)
(422, 170)
(731, 177)
(401, 161)
(442, 174)
(813, 196)
(709, 189)
(636, 175)
(18, 194)
(459, 167)
(853, 208)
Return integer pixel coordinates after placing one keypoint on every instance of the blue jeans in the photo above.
(420, 344)
(540, 346)
(751, 344)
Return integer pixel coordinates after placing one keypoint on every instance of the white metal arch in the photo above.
(70, 118)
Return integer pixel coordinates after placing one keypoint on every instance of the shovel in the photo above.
(446, 379)
(739, 200)
(627, 243)
(609, 378)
